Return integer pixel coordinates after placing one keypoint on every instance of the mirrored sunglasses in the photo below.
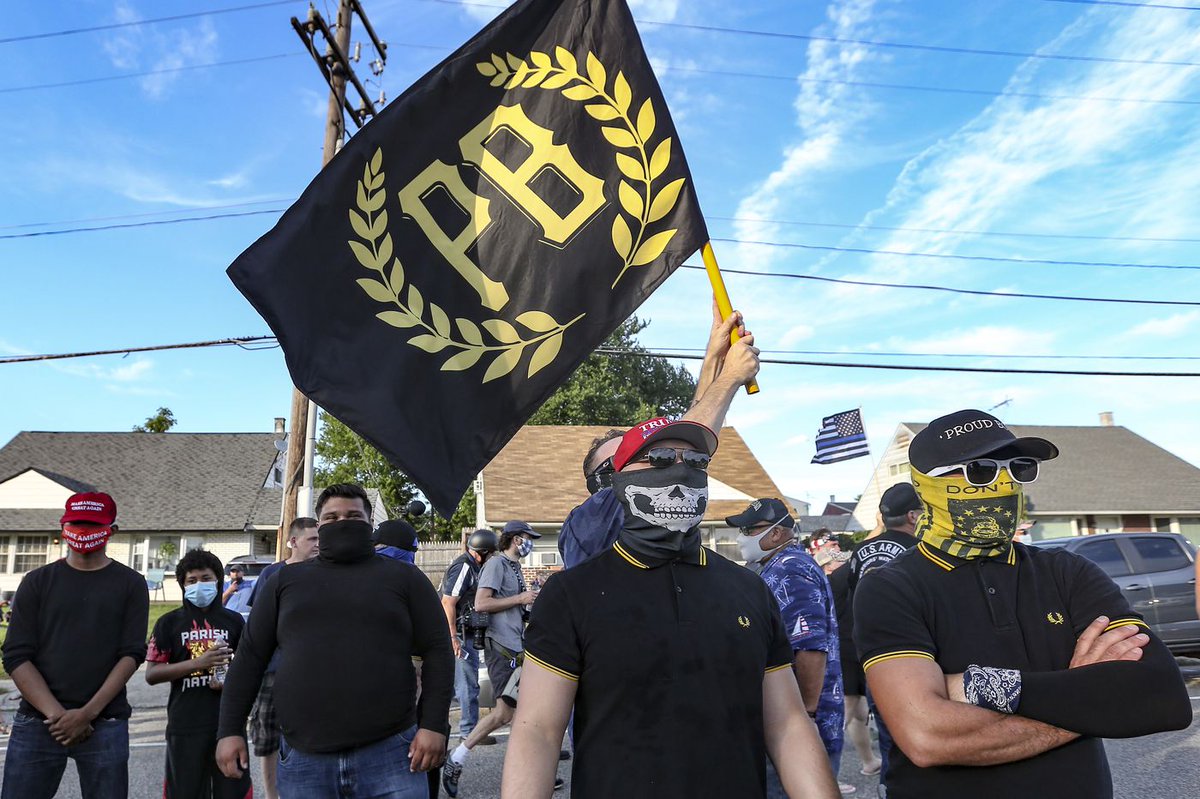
(984, 471)
(662, 457)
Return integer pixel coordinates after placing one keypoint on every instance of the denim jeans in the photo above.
(35, 762)
(378, 770)
(466, 687)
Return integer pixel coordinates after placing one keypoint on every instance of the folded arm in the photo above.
(933, 730)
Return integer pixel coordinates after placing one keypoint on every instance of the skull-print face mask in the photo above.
(663, 509)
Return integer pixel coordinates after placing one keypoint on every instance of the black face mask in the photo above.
(663, 510)
(601, 477)
(347, 541)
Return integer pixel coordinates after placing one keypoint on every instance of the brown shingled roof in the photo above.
(538, 476)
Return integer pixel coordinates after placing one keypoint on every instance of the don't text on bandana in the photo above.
(968, 521)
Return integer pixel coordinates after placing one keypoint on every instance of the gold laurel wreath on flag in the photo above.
(370, 223)
(645, 205)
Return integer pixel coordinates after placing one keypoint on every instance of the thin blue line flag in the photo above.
(841, 438)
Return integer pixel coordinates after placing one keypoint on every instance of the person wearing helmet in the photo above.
(458, 601)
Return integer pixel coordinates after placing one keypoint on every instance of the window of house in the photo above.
(898, 469)
(1162, 524)
(1052, 527)
(5, 543)
(1161, 554)
(725, 543)
(31, 552)
(1189, 526)
(1107, 555)
(163, 552)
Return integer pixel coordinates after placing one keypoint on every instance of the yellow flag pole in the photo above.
(722, 296)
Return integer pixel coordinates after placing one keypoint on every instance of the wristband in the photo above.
(992, 688)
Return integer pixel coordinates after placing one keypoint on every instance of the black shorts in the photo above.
(192, 771)
(501, 663)
(854, 682)
(264, 728)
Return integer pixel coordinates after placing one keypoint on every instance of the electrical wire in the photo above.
(872, 42)
(644, 353)
(911, 367)
(152, 223)
(148, 73)
(952, 256)
(979, 355)
(1128, 4)
(273, 201)
(946, 289)
(134, 23)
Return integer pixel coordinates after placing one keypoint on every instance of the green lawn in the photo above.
(157, 609)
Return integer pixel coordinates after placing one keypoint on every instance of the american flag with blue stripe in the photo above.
(841, 438)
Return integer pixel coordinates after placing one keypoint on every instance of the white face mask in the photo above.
(751, 545)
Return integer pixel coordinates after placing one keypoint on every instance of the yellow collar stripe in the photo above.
(907, 653)
(928, 552)
(621, 551)
(552, 669)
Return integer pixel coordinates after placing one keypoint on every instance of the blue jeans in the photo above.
(466, 687)
(35, 763)
(378, 770)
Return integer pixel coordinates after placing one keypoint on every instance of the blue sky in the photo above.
(816, 143)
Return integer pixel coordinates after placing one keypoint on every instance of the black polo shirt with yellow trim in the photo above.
(1023, 610)
(670, 662)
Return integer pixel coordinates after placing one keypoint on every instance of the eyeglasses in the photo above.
(750, 532)
(984, 471)
(662, 457)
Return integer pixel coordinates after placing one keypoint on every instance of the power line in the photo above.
(911, 367)
(1002, 233)
(242, 341)
(1128, 4)
(148, 73)
(876, 43)
(147, 213)
(952, 256)
(980, 355)
(152, 223)
(788, 245)
(134, 23)
(978, 293)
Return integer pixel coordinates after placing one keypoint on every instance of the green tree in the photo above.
(160, 422)
(344, 457)
(620, 390)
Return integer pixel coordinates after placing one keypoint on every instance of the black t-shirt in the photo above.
(75, 626)
(839, 586)
(187, 633)
(1022, 611)
(347, 633)
(670, 663)
(875, 552)
(461, 580)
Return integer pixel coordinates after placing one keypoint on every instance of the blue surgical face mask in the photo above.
(200, 594)
(524, 548)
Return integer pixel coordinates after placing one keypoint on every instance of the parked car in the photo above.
(1156, 572)
(252, 566)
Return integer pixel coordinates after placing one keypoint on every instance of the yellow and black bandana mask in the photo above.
(968, 521)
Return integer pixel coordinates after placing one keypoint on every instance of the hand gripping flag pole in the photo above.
(722, 296)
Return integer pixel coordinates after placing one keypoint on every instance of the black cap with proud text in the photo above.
(965, 435)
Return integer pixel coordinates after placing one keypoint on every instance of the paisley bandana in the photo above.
(968, 521)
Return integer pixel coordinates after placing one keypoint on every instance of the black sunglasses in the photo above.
(600, 477)
(662, 457)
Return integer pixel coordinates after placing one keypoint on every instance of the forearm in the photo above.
(432, 644)
(495, 604)
(801, 760)
(168, 672)
(450, 610)
(710, 409)
(112, 686)
(33, 689)
(809, 668)
(946, 733)
(531, 762)
(1119, 699)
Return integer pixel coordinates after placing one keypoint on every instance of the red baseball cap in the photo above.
(90, 506)
(641, 436)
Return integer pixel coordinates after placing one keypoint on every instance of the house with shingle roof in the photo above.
(174, 492)
(538, 478)
(1106, 479)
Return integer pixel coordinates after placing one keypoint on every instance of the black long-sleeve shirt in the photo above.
(346, 633)
(74, 626)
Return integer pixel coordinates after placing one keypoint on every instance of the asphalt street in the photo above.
(1164, 766)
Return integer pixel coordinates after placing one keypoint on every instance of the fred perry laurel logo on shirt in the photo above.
(1054, 617)
(744, 621)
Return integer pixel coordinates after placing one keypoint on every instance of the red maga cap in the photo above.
(641, 436)
(90, 506)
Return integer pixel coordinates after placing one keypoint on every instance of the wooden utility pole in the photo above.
(335, 65)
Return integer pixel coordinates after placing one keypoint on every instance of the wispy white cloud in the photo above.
(125, 374)
(990, 339)
(1166, 327)
(150, 49)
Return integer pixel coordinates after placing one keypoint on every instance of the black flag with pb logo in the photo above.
(467, 249)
